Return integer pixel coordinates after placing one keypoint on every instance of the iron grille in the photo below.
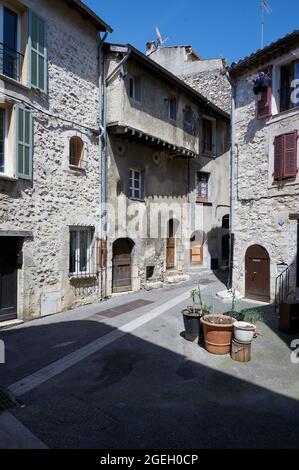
(8, 401)
(11, 62)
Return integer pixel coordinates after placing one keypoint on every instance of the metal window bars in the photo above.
(11, 62)
(84, 254)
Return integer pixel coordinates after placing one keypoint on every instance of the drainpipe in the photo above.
(232, 179)
(102, 153)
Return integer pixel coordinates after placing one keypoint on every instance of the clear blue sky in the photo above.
(227, 28)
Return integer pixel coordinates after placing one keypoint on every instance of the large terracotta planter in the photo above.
(218, 336)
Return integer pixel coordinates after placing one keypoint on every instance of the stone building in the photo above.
(168, 174)
(49, 156)
(266, 179)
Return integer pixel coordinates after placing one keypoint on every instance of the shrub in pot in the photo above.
(251, 315)
(192, 315)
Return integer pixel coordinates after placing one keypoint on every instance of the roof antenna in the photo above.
(265, 7)
(161, 41)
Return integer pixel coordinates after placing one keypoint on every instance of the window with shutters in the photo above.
(202, 186)
(285, 156)
(136, 188)
(264, 100)
(23, 137)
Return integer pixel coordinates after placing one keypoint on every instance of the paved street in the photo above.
(109, 377)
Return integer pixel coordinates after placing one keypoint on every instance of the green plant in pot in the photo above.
(251, 315)
(192, 315)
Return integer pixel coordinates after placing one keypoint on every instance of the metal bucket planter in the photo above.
(191, 317)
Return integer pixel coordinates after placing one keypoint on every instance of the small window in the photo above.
(2, 140)
(76, 151)
(135, 88)
(225, 222)
(203, 185)
(207, 136)
(288, 73)
(188, 115)
(81, 262)
(136, 184)
(171, 108)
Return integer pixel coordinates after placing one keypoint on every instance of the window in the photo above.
(135, 88)
(38, 52)
(285, 156)
(288, 73)
(171, 108)
(202, 185)
(11, 57)
(136, 184)
(189, 120)
(81, 262)
(76, 151)
(2, 140)
(188, 115)
(207, 136)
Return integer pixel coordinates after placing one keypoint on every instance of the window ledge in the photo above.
(283, 115)
(80, 277)
(5, 177)
(77, 169)
(136, 199)
(204, 201)
(14, 82)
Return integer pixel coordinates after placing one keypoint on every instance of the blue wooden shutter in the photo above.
(23, 145)
(38, 69)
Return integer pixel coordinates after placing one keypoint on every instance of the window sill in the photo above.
(204, 201)
(283, 115)
(136, 199)
(14, 82)
(5, 177)
(77, 169)
(79, 277)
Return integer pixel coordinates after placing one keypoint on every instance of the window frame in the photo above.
(134, 96)
(82, 152)
(284, 178)
(78, 231)
(5, 141)
(169, 101)
(140, 189)
(18, 13)
(212, 152)
(199, 196)
(291, 107)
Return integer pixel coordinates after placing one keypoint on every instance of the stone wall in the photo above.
(261, 206)
(59, 196)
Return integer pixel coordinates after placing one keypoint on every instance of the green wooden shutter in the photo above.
(23, 150)
(38, 68)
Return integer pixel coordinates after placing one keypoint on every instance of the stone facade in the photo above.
(262, 206)
(142, 137)
(60, 196)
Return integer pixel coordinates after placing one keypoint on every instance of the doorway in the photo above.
(257, 274)
(122, 265)
(8, 278)
(170, 249)
(196, 248)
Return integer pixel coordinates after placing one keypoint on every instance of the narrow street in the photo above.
(121, 375)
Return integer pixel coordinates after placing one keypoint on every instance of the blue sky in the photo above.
(215, 28)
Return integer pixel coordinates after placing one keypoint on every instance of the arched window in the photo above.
(76, 151)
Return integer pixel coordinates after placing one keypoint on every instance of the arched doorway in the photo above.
(122, 265)
(170, 249)
(196, 248)
(257, 274)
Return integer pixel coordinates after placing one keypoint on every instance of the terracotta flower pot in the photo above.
(218, 336)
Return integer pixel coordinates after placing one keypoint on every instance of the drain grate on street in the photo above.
(205, 282)
(125, 308)
(7, 401)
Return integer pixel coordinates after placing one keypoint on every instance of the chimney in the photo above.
(151, 47)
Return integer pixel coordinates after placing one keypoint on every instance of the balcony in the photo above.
(11, 62)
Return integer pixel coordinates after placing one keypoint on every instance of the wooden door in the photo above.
(170, 250)
(122, 266)
(196, 254)
(8, 278)
(257, 272)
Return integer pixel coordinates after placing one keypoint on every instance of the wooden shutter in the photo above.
(264, 100)
(278, 157)
(23, 146)
(290, 155)
(38, 68)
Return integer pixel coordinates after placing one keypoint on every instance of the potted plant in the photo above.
(192, 315)
(244, 331)
(218, 332)
(252, 316)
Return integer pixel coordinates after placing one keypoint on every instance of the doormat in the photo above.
(125, 308)
(8, 401)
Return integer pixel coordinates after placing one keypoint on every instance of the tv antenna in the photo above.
(265, 7)
(161, 41)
